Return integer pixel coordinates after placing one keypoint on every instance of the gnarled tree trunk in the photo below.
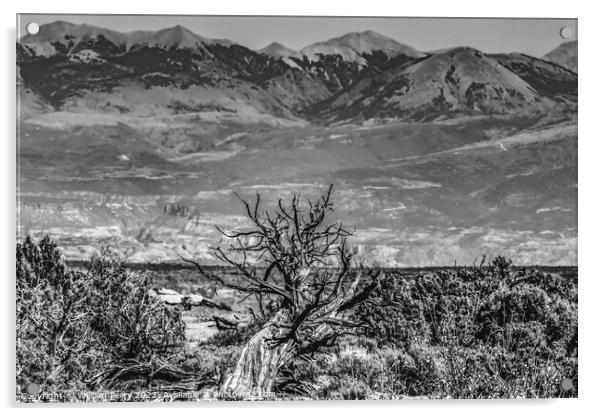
(260, 359)
(292, 257)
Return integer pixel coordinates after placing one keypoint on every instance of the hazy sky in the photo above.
(532, 36)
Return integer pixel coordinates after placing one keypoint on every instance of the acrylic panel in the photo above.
(292, 208)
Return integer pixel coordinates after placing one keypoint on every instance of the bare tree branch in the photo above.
(292, 255)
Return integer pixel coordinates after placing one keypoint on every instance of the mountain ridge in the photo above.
(355, 77)
(460, 80)
(71, 35)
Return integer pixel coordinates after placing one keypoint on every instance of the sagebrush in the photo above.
(74, 328)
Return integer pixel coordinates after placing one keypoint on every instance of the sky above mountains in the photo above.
(535, 37)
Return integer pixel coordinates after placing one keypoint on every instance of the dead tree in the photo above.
(293, 256)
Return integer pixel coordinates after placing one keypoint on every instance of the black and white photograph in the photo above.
(292, 208)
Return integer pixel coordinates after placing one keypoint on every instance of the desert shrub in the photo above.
(490, 331)
(73, 325)
(208, 362)
(50, 317)
(493, 372)
(356, 373)
(126, 321)
(345, 387)
(346, 375)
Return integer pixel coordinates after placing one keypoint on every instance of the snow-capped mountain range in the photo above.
(354, 77)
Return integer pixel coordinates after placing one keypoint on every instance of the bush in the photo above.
(74, 325)
(127, 322)
(51, 317)
(484, 332)
(495, 332)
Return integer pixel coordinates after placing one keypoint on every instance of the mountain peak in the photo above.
(274, 45)
(278, 50)
(70, 35)
(179, 30)
(353, 45)
(177, 36)
(367, 35)
(564, 55)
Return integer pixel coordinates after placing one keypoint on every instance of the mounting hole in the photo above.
(566, 32)
(32, 28)
(32, 388)
(567, 384)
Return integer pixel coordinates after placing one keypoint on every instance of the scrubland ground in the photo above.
(490, 331)
(456, 333)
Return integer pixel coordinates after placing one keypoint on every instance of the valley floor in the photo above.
(418, 194)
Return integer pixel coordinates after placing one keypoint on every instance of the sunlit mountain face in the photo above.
(564, 55)
(139, 140)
